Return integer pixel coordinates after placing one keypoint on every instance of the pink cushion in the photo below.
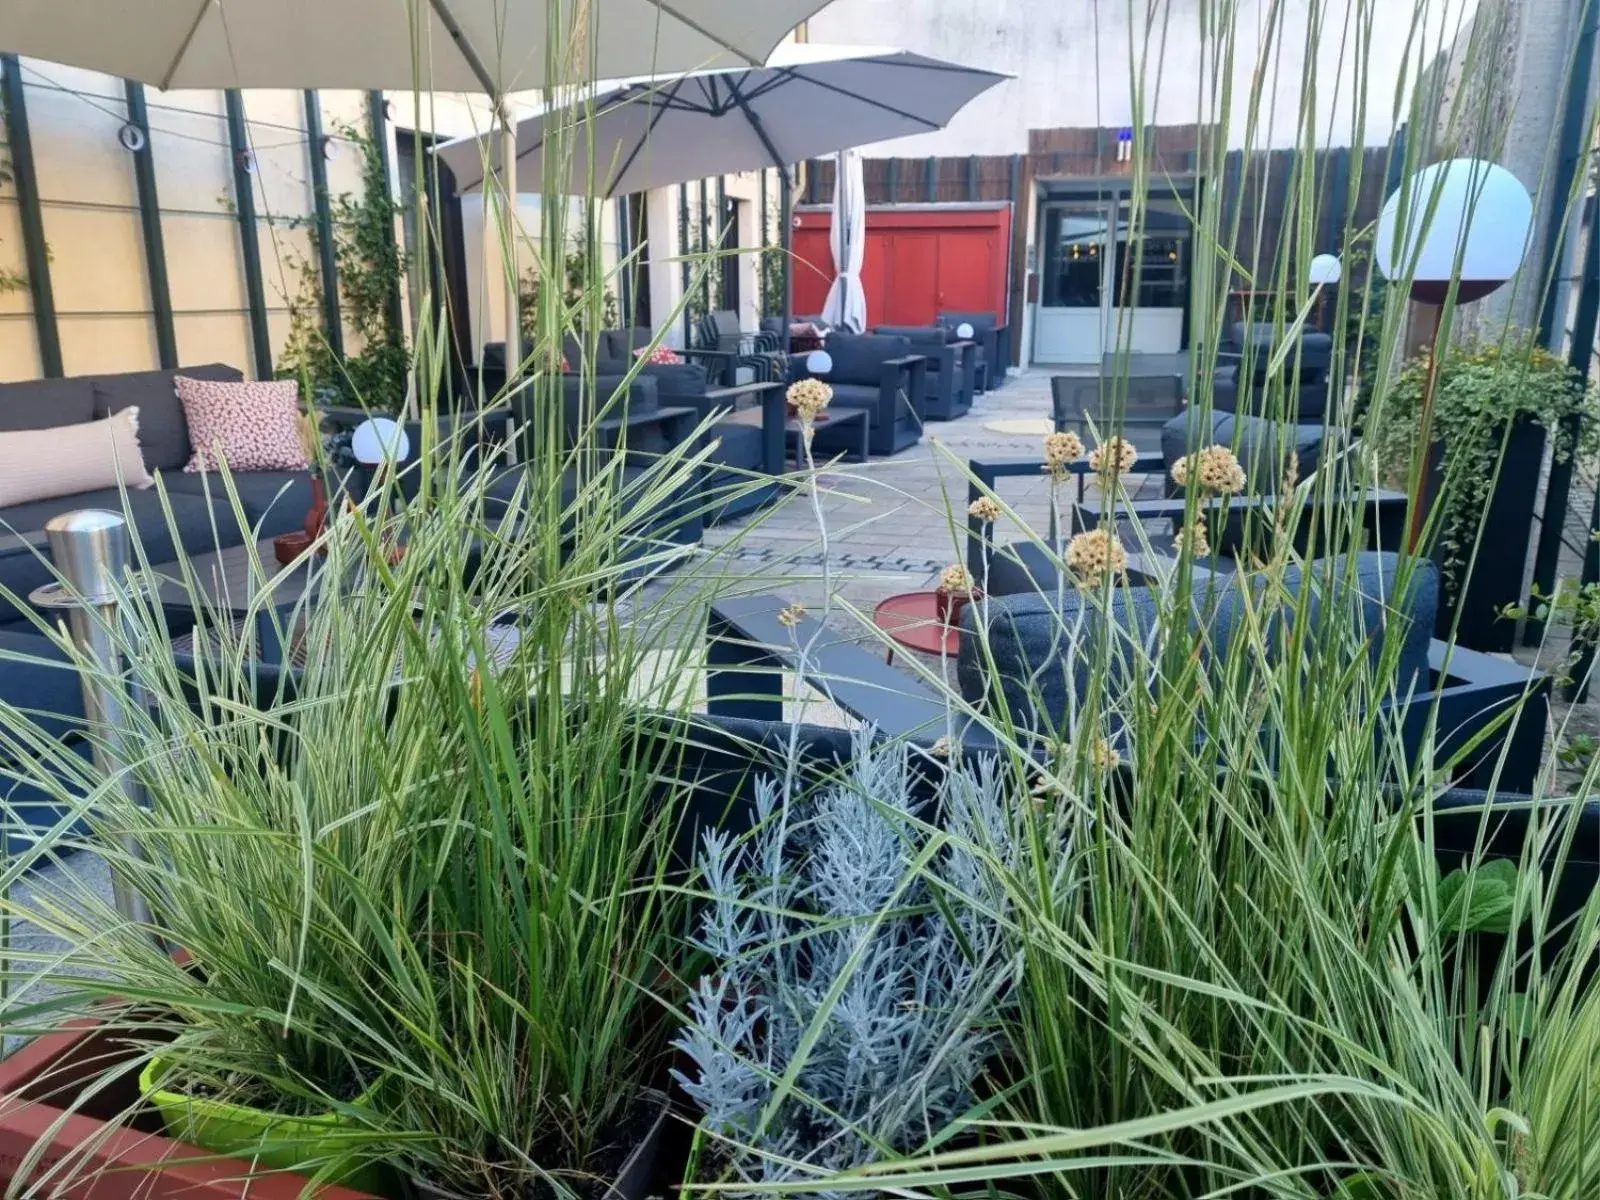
(660, 356)
(251, 426)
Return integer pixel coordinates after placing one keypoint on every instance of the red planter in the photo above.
(112, 1159)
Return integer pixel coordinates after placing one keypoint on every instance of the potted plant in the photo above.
(1496, 405)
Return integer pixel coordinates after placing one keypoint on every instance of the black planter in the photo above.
(1496, 579)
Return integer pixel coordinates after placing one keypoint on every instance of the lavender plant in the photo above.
(852, 1005)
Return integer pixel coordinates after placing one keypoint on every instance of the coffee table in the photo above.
(228, 583)
(911, 619)
(853, 420)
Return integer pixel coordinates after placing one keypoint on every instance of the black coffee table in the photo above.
(853, 420)
(227, 584)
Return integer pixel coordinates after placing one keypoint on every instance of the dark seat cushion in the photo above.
(859, 358)
(858, 395)
(47, 691)
(191, 522)
(46, 403)
(163, 431)
(274, 501)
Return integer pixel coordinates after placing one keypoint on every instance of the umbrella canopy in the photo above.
(846, 305)
(653, 133)
(487, 46)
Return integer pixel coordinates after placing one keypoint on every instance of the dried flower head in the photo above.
(985, 508)
(809, 397)
(1090, 555)
(1194, 539)
(792, 616)
(1114, 456)
(941, 748)
(1291, 472)
(956, 580)
(1061, 450)
(1215, 469)
(1103, 755)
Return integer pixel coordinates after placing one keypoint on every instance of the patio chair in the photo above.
(1034, 658)
(1240, 382)
(723, 342)
(951, 370)
(880, 375)
(994, 345)
(1136, 406)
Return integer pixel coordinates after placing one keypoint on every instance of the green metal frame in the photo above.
(327, 260)
(155, 248)
(36, 252)
(378, 124)
(244, 194)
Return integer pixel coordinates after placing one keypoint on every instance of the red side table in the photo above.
(913, 620)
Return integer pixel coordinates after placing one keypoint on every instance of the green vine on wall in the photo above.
(579, 275)
(371, 266)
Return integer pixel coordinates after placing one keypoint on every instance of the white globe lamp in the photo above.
(1325, 270)
(964, 331)
(1465, 220)
(819, 362)
(378, 441)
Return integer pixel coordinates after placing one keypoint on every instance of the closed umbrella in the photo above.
(847, 300)
(810, 100)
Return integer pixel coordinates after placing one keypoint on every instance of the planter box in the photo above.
(109, 1159)
(1496, 580)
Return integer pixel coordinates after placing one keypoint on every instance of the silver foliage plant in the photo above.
(858, 952)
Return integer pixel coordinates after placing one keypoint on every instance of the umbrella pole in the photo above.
(786, 241)
(508, 232)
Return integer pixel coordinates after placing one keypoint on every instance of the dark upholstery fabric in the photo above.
(191, 518)
(859, 358)
(275, 501)
(1262, 446)
(47, 691)
(739, 445)
(856, 395)
(163, 430)
(46, 403)
(1044, 642)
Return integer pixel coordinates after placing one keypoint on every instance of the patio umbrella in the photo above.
(847, 300)
(810, 100)
(492, 46)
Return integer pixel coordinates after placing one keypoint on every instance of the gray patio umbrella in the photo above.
(811, 100)
(492, 46)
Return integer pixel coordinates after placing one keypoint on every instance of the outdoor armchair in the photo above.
(993, 339)
(951, 369)
(1245, 367)
(880, 375)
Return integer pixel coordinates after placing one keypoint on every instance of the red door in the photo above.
(969, 260)
(913, 279)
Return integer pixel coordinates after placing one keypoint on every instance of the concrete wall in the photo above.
(1074, 62)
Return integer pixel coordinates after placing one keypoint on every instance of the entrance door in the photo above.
(1103, 290)
(1069, 325)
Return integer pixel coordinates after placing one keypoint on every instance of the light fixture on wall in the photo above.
(1467, 228)
(330, 147)
(131, 137)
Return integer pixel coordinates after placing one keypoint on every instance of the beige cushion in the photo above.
(41, 464)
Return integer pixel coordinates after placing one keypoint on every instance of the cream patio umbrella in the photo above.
(846, 305)
(495, 47)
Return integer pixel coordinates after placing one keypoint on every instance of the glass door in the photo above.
(1074, 285)
(1150, 295)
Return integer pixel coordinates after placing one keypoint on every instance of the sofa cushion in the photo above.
(737, 445)
(36, 464)
(857, 395)
(274, 501)
(250, 426)
(45, 689)
(191, 523)
(46, 403)
(163, 431)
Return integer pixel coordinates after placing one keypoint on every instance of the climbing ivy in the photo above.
(371, 266)
(579, 276)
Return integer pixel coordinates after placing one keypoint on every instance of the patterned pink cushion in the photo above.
(661, 355)
(252, 426)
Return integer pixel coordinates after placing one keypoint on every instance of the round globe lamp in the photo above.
(1465, 220)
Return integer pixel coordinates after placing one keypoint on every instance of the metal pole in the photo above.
(90, 549)
(155, 252)
(786, 240)
(36, 250)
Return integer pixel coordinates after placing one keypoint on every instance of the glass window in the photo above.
(1074, 263)
(1163, 269)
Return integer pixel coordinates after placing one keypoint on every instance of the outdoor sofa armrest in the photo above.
(31, 542)
(774, 417)
(908, 373)
(967, 364)
(720, 364)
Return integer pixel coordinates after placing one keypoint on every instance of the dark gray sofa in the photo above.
(202, 517)
(883, 377)
(951, 368)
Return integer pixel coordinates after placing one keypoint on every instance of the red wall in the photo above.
(920, 262)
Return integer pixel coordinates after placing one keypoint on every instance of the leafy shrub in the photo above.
(853, 1004)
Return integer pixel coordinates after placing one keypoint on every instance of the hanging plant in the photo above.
(1482, 389)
